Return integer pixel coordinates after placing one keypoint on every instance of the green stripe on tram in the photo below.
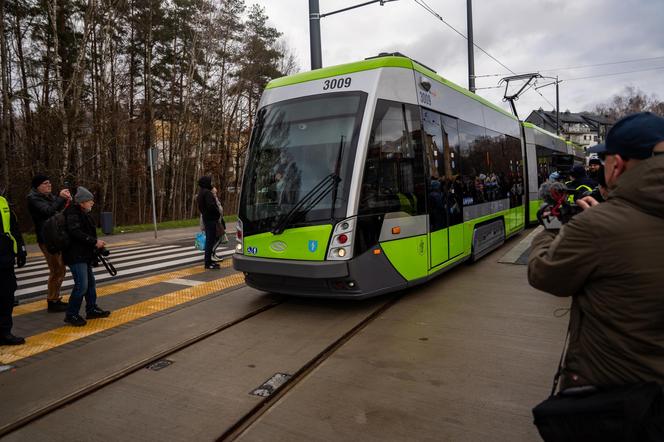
(301, 243)
(342, 69)
(409, 256)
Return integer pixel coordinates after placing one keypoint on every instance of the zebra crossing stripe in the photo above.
(102, 276)
(108, 246)
(41, 263)
(100, 270)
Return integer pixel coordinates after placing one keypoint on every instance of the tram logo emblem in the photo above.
(278, 246)
(313, 245)
(252, 250)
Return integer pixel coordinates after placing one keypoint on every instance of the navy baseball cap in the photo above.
(634, 136)
(597, 148)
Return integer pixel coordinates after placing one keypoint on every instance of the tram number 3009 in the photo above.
(336, 83)
(425, 98)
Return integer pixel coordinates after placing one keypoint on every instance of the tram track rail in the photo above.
(129, 370)
(244, 423)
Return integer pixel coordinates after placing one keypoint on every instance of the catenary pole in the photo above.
(314, 35)
(557, 108)
(471, 56)
(154, 206)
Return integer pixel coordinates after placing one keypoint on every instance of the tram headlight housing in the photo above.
(341, 246)
(239, 234)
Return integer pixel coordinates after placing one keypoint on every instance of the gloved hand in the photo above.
(21, 257)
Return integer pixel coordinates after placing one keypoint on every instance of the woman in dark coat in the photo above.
(79, 256)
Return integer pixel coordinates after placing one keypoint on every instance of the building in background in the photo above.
(583, 128)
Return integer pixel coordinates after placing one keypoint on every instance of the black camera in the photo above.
(557, 208)
(103, 252)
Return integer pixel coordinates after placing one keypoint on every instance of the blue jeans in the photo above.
(84, 285)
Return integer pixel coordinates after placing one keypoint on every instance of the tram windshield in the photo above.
(295, 146)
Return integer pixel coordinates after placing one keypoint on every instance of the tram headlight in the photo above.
(341, 246)
(239, 236)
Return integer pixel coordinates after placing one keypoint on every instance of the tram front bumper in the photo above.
(294, 269)
(362, 277)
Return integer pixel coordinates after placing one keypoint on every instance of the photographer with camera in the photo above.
(608, 258)
(80, 255)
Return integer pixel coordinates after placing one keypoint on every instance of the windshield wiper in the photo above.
(308, 201)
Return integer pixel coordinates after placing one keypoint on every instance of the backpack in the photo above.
(54, 231)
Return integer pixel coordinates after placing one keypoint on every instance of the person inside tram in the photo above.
(436, 205)
(287, 179)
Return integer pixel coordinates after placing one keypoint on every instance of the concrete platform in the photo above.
(462, 358)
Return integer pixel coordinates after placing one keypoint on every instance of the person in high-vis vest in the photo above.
(12, 252)
(581, 184)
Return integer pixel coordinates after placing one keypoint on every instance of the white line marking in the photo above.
(104, 276)
(189, 282)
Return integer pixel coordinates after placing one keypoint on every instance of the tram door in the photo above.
(436, 188)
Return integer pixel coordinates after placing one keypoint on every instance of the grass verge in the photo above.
(31, 238)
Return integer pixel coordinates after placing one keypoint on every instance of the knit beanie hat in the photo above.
(83, 195)
(38, 179)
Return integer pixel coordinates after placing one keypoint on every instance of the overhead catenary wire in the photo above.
(608, 63)
(430, 10)
(615, 73)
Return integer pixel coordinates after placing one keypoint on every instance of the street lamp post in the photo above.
(314, 28)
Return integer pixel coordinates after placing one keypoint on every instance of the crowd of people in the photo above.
(79, 254)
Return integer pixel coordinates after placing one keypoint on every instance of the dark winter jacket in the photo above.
(7, 255)
(609, 258)
(582, 186)
(82, 235)
(207, 204)
(42, 207)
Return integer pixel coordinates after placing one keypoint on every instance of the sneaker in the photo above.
(10, 339)
(57, 306)
(212, 266)
(75, 320)
(96, 312)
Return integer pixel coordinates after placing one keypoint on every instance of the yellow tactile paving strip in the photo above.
(54, 338)
(110, 289)
(116, 244)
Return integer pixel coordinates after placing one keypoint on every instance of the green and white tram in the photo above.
(546, 153)
(370, 177)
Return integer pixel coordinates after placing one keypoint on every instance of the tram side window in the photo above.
(473, 142)
(453, 186)
(393, 178)
(491, 166)
(545, 166)
(512, 152)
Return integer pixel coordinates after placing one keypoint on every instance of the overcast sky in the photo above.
(526, 36)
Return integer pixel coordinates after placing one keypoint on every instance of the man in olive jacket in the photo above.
(610, 259)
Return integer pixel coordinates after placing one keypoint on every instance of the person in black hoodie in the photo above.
(79, 256)
(42, 205)
(207, 204)
(12, 251)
